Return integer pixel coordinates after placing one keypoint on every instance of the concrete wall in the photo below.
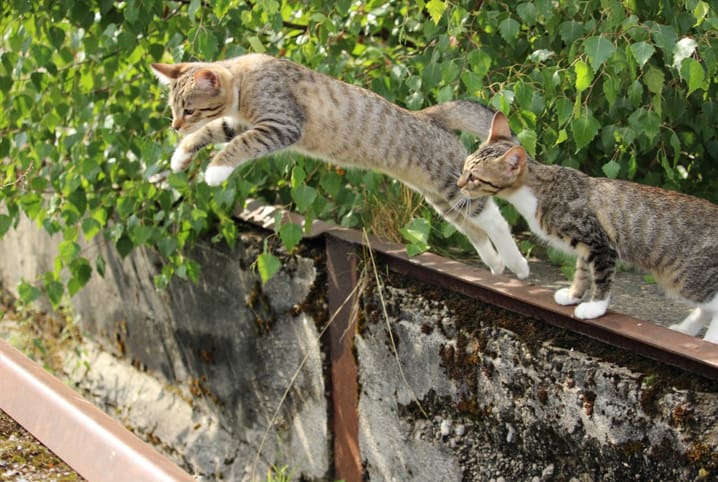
(481, 394)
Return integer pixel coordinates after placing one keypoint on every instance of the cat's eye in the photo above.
(188, 111)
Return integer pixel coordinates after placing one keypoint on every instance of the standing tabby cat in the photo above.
(672, 235)
(260, 105)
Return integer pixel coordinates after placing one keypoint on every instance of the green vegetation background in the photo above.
(621, 89)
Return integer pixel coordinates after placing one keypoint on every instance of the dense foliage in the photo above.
(617, 88)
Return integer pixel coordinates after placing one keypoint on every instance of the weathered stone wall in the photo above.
(199, 370)
(486, 394)
(471, 392)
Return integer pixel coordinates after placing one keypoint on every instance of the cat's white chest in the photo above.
(526, 203)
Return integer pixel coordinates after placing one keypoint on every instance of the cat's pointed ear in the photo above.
(206, 79)
(499, 128)
(168, 73)
(515, 159)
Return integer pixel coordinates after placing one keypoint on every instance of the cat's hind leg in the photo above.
(694, 322)
(706, 312)
(712, 331)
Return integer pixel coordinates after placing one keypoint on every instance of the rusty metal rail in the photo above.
(638, 336)
(87, 439)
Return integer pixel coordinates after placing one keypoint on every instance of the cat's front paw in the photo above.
(520, 268)
(565, 298)
(496, 266)
(180, 160)
(216, 175)
(591, 309)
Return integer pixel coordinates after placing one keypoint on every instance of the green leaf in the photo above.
(700, 12)
(528, 138)
(124, 245)
(167, 246)
(81, 273)
(584, 75)
(509, 30)
(207, 44)
(57, 36)
(256, 44)
(268, 265)
(528, 12)
(290, 234)
(571, 31)
(693, 74)
(436, 9)
(5, 224)
(100, 265)
(584, 129)
(598, 49)
(416, 232)
(611, 169)
(303, 197)
(55, 289)
(27, 292)
(654, 80)
(331, 182)
(67, 250)
(564, 110)
(642, 52)
(90, 227)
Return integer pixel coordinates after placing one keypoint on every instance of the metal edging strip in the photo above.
(88, 440)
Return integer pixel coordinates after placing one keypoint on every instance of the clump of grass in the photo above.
(391, 208)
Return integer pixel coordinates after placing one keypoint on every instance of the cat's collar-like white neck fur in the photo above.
(525, 202)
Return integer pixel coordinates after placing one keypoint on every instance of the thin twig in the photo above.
(388, 326)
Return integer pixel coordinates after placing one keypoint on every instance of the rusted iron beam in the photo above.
(341, 294)
(93, 444)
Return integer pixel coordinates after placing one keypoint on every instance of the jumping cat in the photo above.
(672, 235)
(259, 105)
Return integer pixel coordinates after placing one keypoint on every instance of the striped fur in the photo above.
(272, 104)
(671, 235)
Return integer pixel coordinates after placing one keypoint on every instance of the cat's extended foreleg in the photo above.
(262, 139)
(498, 230)
(460, 218)
(219, 130)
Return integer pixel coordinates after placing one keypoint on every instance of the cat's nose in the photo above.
(177, 124)
(463, 180)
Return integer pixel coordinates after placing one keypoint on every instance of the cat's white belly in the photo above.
(525, 202)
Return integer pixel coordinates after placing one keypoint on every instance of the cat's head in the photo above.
(498, 164)
(199, 93)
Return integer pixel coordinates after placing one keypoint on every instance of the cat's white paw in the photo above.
(591, 309)
(563, 297)
(496, 266)
(693, 323)
(712, 333)
(180, 160)
(216, 175)
(520, 268)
